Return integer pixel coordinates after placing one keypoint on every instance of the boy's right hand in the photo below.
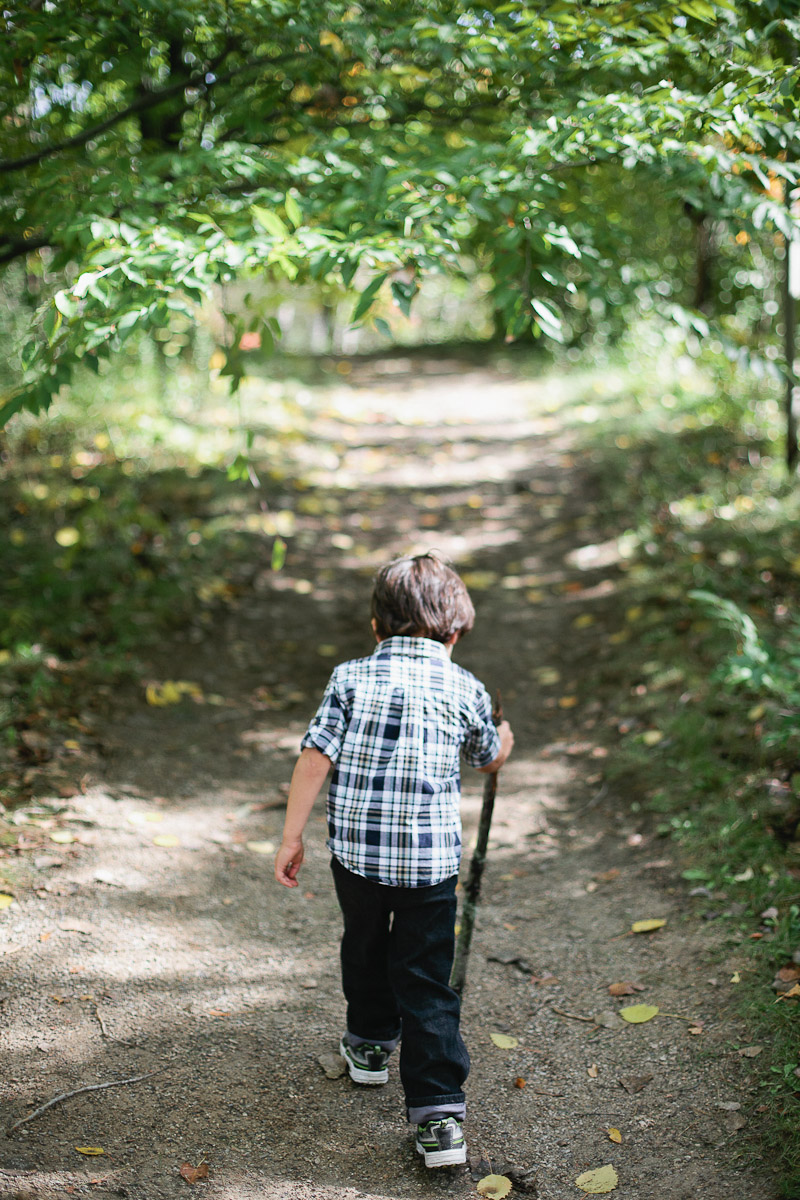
(506, 746)
(288, 861)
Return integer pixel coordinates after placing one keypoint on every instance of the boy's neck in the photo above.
(447, 645)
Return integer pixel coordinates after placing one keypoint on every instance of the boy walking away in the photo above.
(394, 726)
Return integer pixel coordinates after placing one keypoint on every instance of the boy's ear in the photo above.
(452, 641)
(374, 625)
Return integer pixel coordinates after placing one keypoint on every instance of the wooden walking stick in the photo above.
(472, 889)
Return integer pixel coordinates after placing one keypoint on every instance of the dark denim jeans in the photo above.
(397, 953)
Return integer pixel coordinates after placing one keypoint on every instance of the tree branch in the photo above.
(151, 100)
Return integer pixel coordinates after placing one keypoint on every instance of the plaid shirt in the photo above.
(394, 724)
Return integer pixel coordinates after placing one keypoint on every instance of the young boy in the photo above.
(394, 726)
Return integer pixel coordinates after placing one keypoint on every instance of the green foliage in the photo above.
(154, 154)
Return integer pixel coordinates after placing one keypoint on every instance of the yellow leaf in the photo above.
(494, 1186)
(647, 926)
(602, 1179)
(62, 837)
(633, 614)
(615, 1135)
(637, 1013)
(71, 744)
(651, 737)
(5, 900)
(755, 714)
(583, 621)
(328, 38)
(593, 1071)
(568, 702)
(261, 847)
(139, 818)
(503, 1041)
(736, 977)
(67, 536)
(548, 675)
(166, 839)
(90, 1150)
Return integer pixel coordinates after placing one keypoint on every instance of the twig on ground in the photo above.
(101, 1023)
(91, 1087)
(573, 1016)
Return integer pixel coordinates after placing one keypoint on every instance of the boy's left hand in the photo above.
(288, 861)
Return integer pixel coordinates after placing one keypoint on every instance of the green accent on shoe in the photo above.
(366, 1063)
(442, 1143)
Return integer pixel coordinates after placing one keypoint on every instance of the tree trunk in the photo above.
(791, 270)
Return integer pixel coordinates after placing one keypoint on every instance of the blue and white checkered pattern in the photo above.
(395, 725)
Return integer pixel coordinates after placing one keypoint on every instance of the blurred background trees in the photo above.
(576, 166)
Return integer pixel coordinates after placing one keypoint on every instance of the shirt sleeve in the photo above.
(482, 742)
(327, 728)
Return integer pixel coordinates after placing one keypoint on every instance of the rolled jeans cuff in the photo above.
(446, 1106)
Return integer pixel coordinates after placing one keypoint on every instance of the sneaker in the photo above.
(442, 1142)
(366, 1063)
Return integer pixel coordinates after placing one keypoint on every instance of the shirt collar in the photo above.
(411, 647)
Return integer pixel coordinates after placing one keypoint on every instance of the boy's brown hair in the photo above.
(421, 596)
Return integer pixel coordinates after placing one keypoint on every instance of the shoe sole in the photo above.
(444, 1158)
(359, 1075)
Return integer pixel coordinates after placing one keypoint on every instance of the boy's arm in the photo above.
(309, 774)
(506, 746)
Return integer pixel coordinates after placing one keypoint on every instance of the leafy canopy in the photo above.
(153, 151)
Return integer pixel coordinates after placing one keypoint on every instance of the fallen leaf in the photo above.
(519, 1082)
(568, 702)
(583, 621)
(793, 991)
(5, 900)
(593, 1071)
(261, 847)
(615, 1135)
(171, 691)
(90, 1151)
(695, 1029)
(166, 839)
(494, 1186)
(625, 988)
(788, 974)
(648, 926)
(602, 1179)
(142, 818)
(750, 1051)
(62, 836)
(638, 1013)
(608, 876)
(503, 1041)
(651, 737)
(607, 1019)
(193, 1174)
(736, 977)
(218, 1012)
(634, 1083)
(333, 1065)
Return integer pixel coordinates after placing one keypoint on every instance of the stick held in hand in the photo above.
(472, 888)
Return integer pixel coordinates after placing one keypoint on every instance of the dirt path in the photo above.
(185, 959)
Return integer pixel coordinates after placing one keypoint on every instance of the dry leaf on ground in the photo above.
(625, 988)
(634, 1083)
(494, 1186)
(615, 1135)
(166, 839)
(600, 1180)
(636, 1014)
(5, 900)
(649, 925)
(90, 1151)
(503, 1041)
(193, 1174)
(261, 847)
